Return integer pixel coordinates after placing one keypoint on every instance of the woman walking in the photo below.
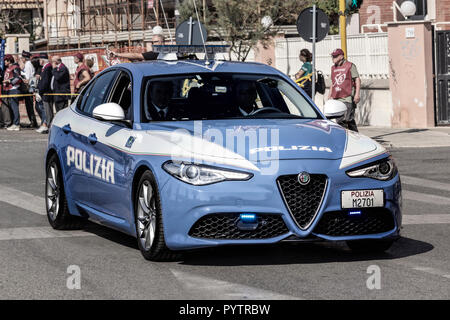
(303, 77)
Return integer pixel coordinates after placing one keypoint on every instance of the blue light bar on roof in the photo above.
(187, 49)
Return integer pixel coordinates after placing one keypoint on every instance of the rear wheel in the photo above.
(370, 245)
(148, 220)
(55, 199)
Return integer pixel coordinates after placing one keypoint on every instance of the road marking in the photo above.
(434, 271)
(216, 289)
(427, 198)
(22, 141)
(39, 233)
(429, 270)
(426, 219)
(425, 183)
(23, 200)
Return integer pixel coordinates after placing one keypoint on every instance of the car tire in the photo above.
(56, 205)
(369, 246)
(149, 223)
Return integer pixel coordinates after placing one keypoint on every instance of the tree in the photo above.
(14, 20)
(239, 22)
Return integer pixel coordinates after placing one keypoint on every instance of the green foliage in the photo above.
(239, 22)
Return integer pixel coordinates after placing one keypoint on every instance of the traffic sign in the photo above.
(191, 32)
(305, 24)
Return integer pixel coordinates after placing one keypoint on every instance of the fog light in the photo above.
(248, 217)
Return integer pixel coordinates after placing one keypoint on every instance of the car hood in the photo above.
(258, 140)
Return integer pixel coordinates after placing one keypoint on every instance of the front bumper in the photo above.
(183, 204)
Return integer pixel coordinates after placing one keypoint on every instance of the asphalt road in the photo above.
(34, 259)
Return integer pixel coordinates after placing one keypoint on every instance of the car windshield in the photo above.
(222, 96)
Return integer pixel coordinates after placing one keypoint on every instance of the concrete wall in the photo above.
(411, 74)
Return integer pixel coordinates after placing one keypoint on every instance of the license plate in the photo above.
(362, 199)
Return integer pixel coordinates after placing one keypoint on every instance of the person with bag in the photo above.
(304, 76)
(345, 87)
(11, 84)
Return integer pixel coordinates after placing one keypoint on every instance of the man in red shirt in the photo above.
(345, 87)
(82, 74)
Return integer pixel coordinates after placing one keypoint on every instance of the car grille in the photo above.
(223, 226)
(303, 202)
(371, 221)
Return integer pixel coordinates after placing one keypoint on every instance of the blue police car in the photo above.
(199, 153)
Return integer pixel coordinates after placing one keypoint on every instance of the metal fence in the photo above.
(369, 52)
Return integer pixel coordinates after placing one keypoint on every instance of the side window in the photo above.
(83, 96)
(122, 94)
(97, 94)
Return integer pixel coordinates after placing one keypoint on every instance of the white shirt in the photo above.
(28, 70)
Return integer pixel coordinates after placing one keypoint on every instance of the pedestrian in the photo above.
(44, 87)
(82, 75)
(157, 39)
(345, 87)
(90, 64)
(11, 83)
(304, 76)
(39, 105)
(5, 112)
(27, 74)
(61, 83)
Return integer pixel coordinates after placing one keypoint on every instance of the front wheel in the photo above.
(149, 223)
(367, 246)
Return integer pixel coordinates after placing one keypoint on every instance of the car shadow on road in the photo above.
(300, 253)
(111, 235)
(274, 254)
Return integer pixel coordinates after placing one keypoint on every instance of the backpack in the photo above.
(320, 82)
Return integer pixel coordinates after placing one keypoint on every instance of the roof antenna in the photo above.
(167, 24)
(201, 32)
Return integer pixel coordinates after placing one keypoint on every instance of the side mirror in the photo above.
(334, 109)
(109, 111)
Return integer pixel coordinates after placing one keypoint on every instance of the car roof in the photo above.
(163, 67)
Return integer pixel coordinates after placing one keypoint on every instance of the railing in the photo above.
(369, 52)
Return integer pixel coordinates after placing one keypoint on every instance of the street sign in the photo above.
(305, 24)
(313, 26)
(191, 32)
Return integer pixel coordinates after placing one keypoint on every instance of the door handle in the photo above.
(66, 129)
(92, 138)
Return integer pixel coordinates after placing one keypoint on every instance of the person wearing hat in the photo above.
(11, 84)
(82, 74)
(28, 74)
(345, 87)
(44, 87)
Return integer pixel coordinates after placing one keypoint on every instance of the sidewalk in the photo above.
(409, 138)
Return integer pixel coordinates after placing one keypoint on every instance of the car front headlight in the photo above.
(199, 175)
(380, 170)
